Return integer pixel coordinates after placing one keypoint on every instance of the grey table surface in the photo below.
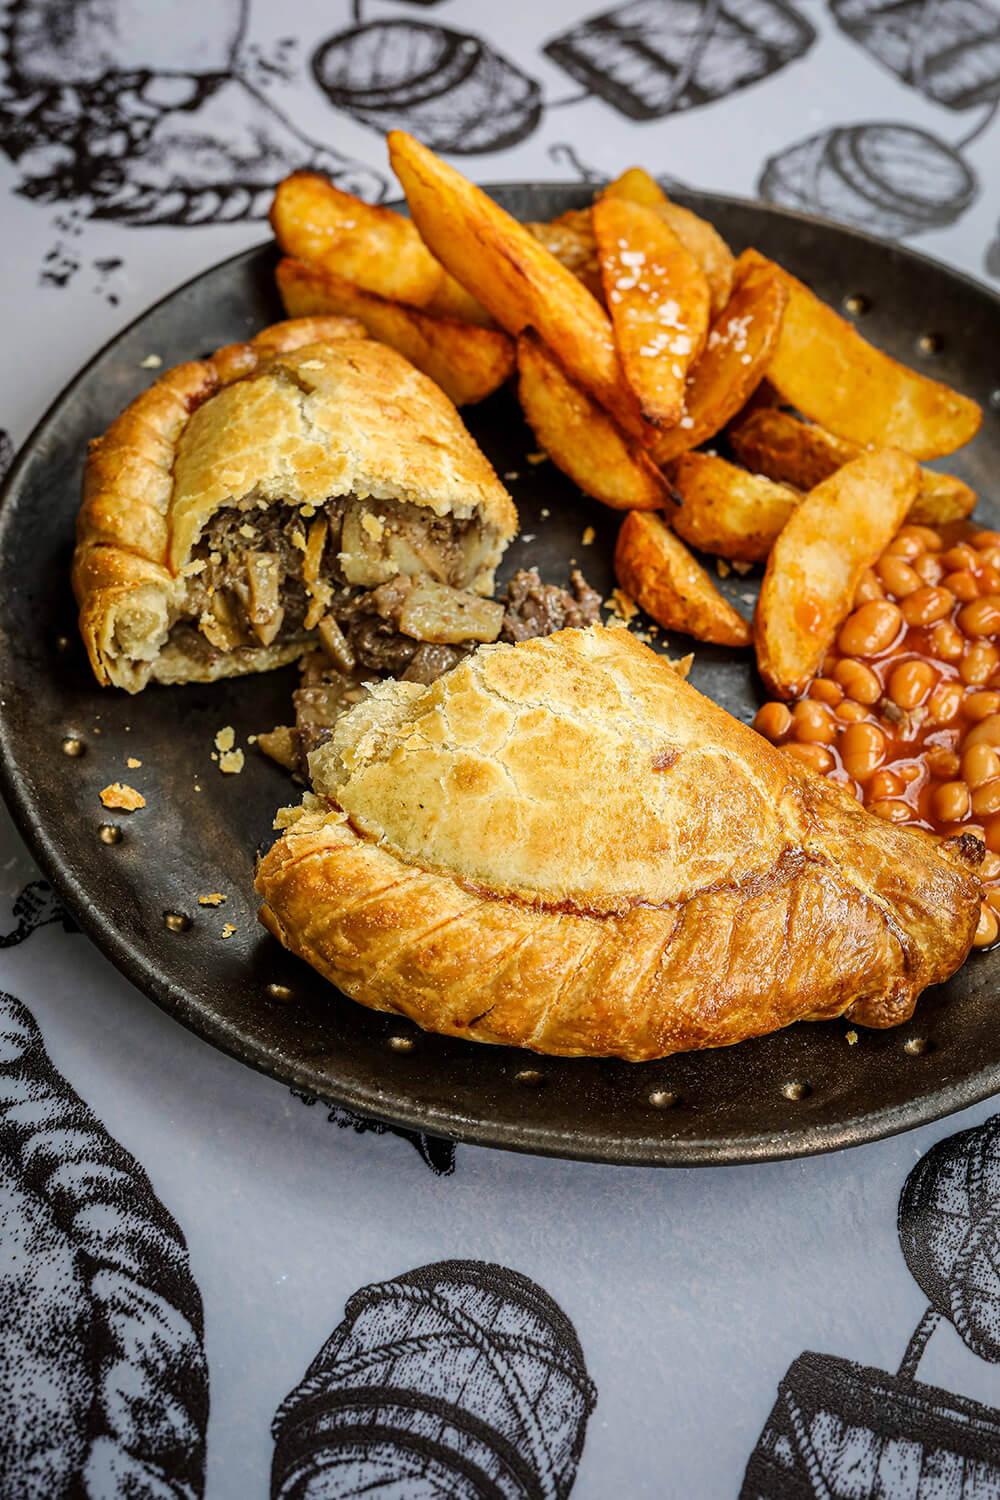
(178, 1235)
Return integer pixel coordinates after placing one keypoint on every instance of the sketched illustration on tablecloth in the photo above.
(148, 124)
(103, 1380)
(36, 906)
(434, 1151)
(6, 453)
(949, 51)
(460, 1379)
(842, 1431)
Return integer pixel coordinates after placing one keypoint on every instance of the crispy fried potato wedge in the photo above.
(375, 248)
(579, 436)
(786, 449)
(701, 238)
(467, 362)
(570, 238)
(830, 373)
(741, 342)
(657, 570)
(517, 279)
(840, 528)
(726, 511)
(658, 299)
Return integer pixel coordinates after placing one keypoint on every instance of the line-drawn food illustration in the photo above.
(843, 1431)
(6, 453)
(949, 51)
(36, 906)
(461, 1378)
(434, 1151)
(103, 1380)
(888, 178)
(453, 89)
(649, 58)
(100, 106)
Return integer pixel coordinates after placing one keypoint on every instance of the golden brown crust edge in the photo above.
(850, 917)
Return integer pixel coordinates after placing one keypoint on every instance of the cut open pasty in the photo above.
(561, 845)
(309, 487)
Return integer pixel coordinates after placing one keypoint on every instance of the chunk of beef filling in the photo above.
(534, 608)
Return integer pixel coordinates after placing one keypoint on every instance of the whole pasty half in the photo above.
(563, 846)
(308, 487)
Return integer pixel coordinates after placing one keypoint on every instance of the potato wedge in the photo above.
(579, 436)
(830, 373)
(517, 279)
(375, 248)
(467, 362)
(786, 449)
(740, 344)
(570, 238)
(701, 238)
(840, 528)
(657, 570)
(726, 511)
(657, 296)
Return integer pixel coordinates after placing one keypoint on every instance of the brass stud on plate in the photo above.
(795, 1090)
(995, 399)
(282, 992)
(857, 304)
(930, 343)
(109, 833)
(917, 1046)
(62, 642)
(664, 1099)
(176, 921)
(73, 746)
(529, 1078)
(401, 1044)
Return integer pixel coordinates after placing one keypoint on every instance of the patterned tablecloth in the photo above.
(209, 1284)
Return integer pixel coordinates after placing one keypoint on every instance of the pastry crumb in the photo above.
(228, 929)
(151, 362)
(536, 458)
(373, 525)
(682, 666)
(545, 513)
(299, 539)
(122, 797)
(852, 1037)
(214, 898)
(307, 511)
(226, 738)
(622, 605)
(512, 474)
(133, 763)
(587, 540)
(742, 568)
(251, 739)
(722, 567)
(247, 531)
(528, 536)
(231, 762)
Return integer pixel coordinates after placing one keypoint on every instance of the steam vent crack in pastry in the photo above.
(309, 486)
(561, 845)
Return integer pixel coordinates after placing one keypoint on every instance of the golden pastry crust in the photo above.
(309, 409)
(561, 845)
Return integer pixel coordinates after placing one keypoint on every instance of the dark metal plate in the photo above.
(715, 1107)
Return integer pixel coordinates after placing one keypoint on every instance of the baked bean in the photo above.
(858, 681)
(816, 757)
(986, 799)
(960, 830)
(862, 748)
(945, 763)
(982, 616)
(927, 568)
(962, 557)
(993, 900)
(812, 723)
(988, 580)
(962, 584)
(945, 641)
(979, 706)
(910, 682)
(873, 628)
(987, 732)
(910, 771)
(773, 721)
(905, 544)
(990, 867)
(927, 604)
(985, 539)
(851, 712)
(931, 539)
(986, 932)
(868, 588)
(950, 802)
(991, 557)
(944, 702)
(825, 690)
(979, 764)
(897, 577)
(991, 835)
(884, 784)
(892, 812)
(978, 664)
